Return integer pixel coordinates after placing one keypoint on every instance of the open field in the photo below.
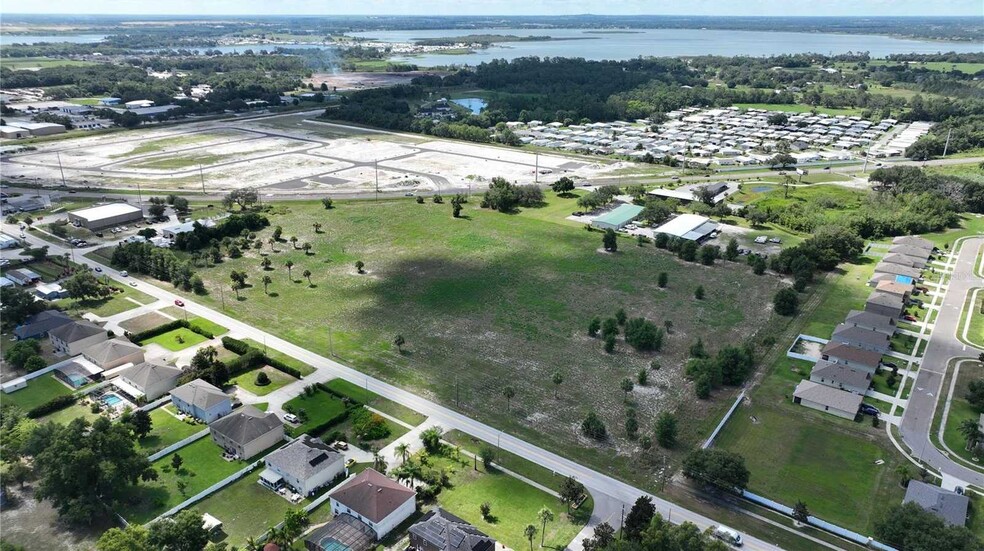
(38, 391)
(127, 299)
(301, 367)
(471, 295)
(798, 108)
(960, 409)
(21, 63)
(282, 152)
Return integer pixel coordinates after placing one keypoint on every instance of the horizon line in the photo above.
(122, 14)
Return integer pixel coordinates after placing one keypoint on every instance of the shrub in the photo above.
(369, 426)
(786, 302)
(51, 406)
(593, 427)
(262, 379)
(643, 334)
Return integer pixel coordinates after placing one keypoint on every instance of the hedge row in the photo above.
(343, 397)
(51, 406)
(137, 338)
(255, 355)
(323, 427)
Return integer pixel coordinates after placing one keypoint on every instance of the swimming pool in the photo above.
(111, 400)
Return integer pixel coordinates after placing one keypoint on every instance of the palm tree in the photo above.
(402, 450)
(529, 532)
(399, 341)
(905, 475)
(252, 545)
(307, 248)
(307, 274)
(266, 262)
(293, 241)
(266, 281)
(289, 264)
(557, 379)
(969, 429)
(509, 392)
(317, 227)
(235, 287)
(545, 515)
(273, 244)
(280, 537)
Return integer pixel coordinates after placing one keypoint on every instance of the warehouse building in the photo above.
(104, 216)
(14, 132)
(618, 218)
(691, 227)
(42, 128)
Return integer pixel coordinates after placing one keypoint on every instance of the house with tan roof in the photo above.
(901, 290)
(114, 353)
(827, 399)
(377, 501)
(149, 380)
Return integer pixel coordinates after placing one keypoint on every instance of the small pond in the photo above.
(475, 105)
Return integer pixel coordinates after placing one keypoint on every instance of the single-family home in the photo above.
(73, 338)
(114, 353)
(827, 398)
(949, 506)
(865, 339)
(439, 530)
(904, 260)
(23, 277)
(909, 250)
(870, 320)
(247, 432)
(841, 376)
(149, 380)
(884, 304)
(201, 400)
(40, 324)
(902, 290)
(377, 501)
(50, 291)
(851, 356)
(914, 241)
(896, 270)
(305, 465)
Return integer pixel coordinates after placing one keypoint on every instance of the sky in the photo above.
(502, 7)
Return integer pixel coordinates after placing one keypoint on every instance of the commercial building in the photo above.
(14, 132)
(827, 399)
(23, 277)
(7, 242)
(714, 192)
(138, 103)
(247, 431)
(949, 506)
(104, 216)
(42, 128)
(691, 227)
(617, 218)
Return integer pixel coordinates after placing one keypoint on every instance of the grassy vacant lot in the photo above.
(960, 408)
(395, 431)
(507, 460)
(105, 307)
(246, 508)
(820, 197)
(320, 407)
(179, 161)
(167, 430)
(144, 322)
(162, 144)
(17, 63)
(38, 391)
(798, 108)
(302, 367)
(203, 466)
(491, 300)
(376, 401)
(247, 380)
(176, 339)
(514, 505)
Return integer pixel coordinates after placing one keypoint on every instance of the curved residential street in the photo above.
(942, 348)
(610, 495)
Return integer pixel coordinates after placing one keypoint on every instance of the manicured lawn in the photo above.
(203, 466)
(114, 304)
(300, 366)
(207, 325)
(960, 408)
(508, 460)
(246, 508)
(247, 380)
(904, 344)
(320, 407)
(883, 407)
(69, 414)
(880, 383)
(38, 391)
(176, 339)
(166, 430)
(514, 505)
(376, 401)
(975, 328)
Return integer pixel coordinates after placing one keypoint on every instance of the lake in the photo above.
(475, 105)
(663, 43)
(34, 39)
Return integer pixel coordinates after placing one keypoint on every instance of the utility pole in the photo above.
(58, 154)
(621, 524)
(139, 194)
(375, 165)
(947, 144)
(201, 174)
(536, 171)
(222, 296)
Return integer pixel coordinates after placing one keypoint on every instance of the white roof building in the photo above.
(688, 226)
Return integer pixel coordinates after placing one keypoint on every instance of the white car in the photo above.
(133, 284)
(124, 274)
(291, 418)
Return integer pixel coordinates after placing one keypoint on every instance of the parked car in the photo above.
(179, 302)
(909, 317)
(124, 274)
(340, 445)
(727, 535)
(408, 194)
(890, 365)
(133, 284)
(98, 269)
(775, 240)
(761, 239)
(349, 463)
(868, 409)
(291, 418)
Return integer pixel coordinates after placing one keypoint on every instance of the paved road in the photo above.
(943, 346)
(610, 494)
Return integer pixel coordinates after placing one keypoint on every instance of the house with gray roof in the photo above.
(439, 530)
(40, 324)
(201, 400)
(913, 241)
(897, 269)
(872, 321)
(884, 304)
(949, 506)
(23, 277)
(148, 380)
(841, 376)
(827, 399)
(72, 338)
(908, 250)
(114, 353)
(905, 260)
(306, 464)
(247, 432)
(851, 356)
(865, 339)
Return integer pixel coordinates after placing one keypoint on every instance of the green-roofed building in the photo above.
(617, 218)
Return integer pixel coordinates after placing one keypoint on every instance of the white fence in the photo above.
(178, 445)
(710, 439)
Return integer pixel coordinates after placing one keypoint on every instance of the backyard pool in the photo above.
(111, 400)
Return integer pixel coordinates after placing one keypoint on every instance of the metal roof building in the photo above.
(618, 217)
(105, 215)
(688, 226)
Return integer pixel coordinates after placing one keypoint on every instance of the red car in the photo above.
(909, 317)
(179, 303)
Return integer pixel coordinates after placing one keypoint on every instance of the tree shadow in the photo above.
(312, 285)
(273, 294)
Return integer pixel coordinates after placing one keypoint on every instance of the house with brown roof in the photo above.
(841, 376)
(851, 356)
(884, 304)
(901, 290)
(869, 320)
(827, 399)
(865, 339)
(379, 502)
